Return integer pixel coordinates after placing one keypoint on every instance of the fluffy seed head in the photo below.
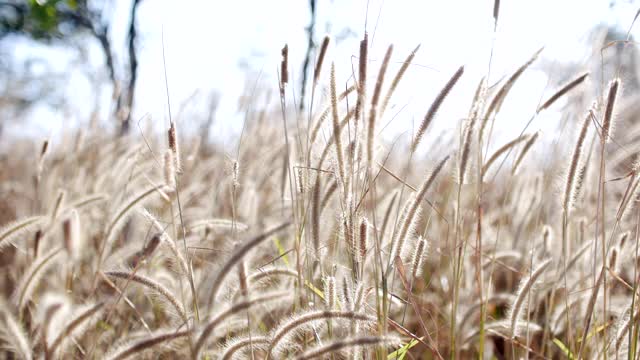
(330, 292)
(572, 181)
(174, 146)
(169, 169)
(609, 115)
(362, 76)
(613, 259)
(321, 55)
(419, 252)
(72, 235)
(364, 239)
(171, 137)
(623, 240)
(562, 91)
(517, 310)
(433, 109)
(284, 68)
(235, 174)
(300, 180)
(44, 148)
(525, 149)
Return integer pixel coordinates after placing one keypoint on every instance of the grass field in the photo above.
(317, 238)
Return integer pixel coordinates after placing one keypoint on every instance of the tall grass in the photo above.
(320, 239)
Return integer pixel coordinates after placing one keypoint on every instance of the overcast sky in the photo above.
(213, 45)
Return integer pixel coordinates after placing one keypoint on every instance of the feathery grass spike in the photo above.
(433, 109)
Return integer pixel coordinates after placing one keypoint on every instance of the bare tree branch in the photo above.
(307, 57)
(133, 69)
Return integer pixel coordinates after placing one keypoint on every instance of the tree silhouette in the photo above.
(55, 21)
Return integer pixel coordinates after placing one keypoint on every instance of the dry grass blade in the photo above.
(501, 328)
(563, 91)
(88, 200)
(332, 139)
(234, 309)
(623, 330)
(525, 149)
(32, 276)
(412, 210)
(166, 240)
(14, 335)
(517, 312)
(16, 228)
(396, 80)
(239, 254)
(146, 344)
(152, 285)
(73, 325)
(504, 148)
(217, 224)
(267, 273)
(338, 345)
(288, 327)
(498, 99)
(236, 345)
(589, 311)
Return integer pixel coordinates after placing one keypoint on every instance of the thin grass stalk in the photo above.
(15, 228)
(119, 217)
(634, 334)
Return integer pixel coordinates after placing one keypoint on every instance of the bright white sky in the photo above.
(206, 40)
